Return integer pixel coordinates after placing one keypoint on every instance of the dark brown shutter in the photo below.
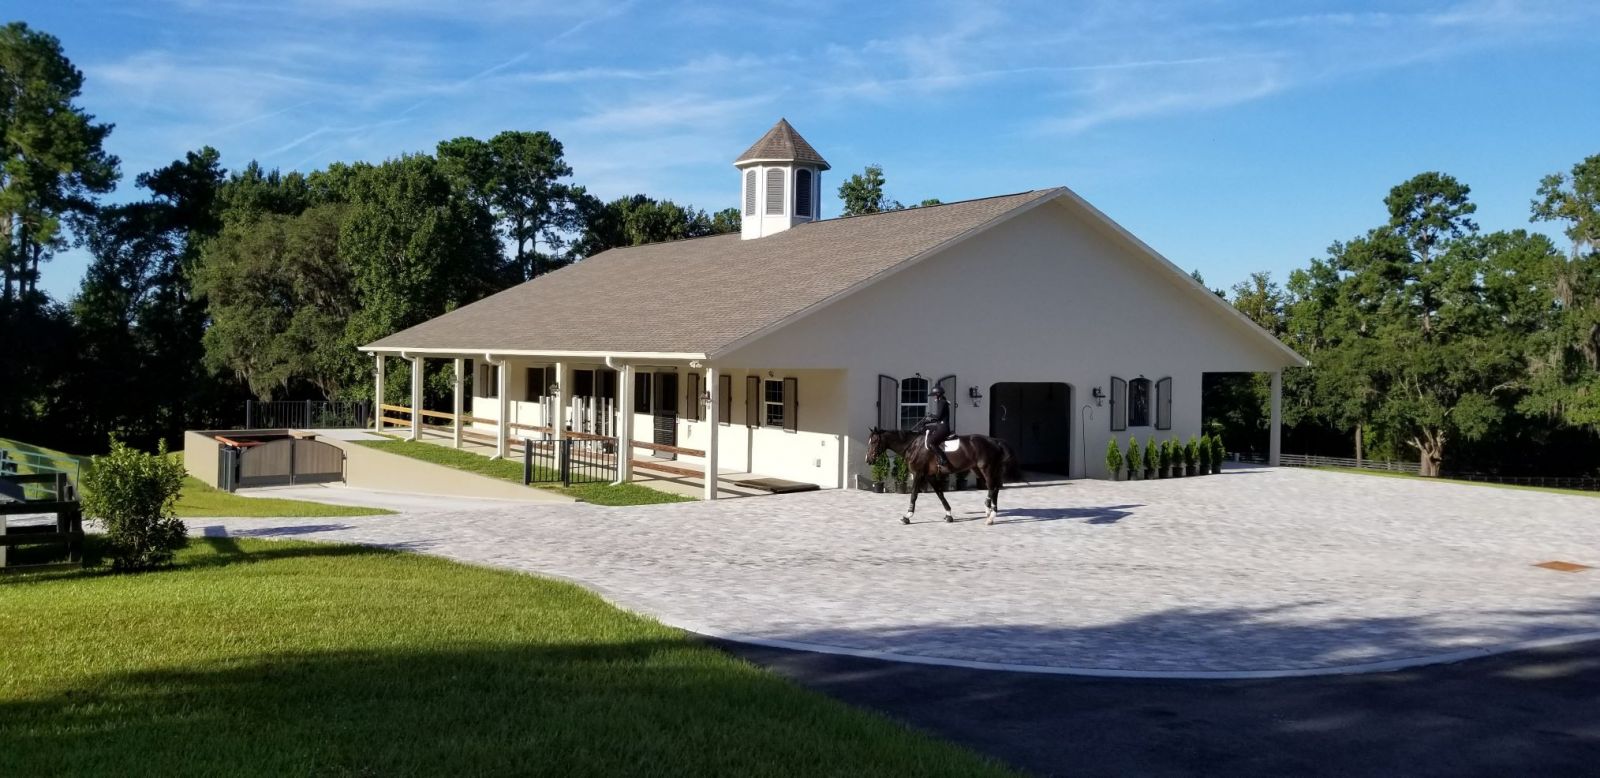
(802, 192)
(791, 404)
(752, 401)
(1164, 404)
(948, 384)
(888, 403)
(1119, 404)
(725, 399)
(696, 410)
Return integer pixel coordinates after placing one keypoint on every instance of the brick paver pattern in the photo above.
(1250, 570)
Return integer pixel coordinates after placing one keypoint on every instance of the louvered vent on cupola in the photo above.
(775, 178)
(802, 192)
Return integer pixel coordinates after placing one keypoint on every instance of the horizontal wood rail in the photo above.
(394, 421)
(438, 414)
(529, 427)
(650, 464)
(665, 449)
(400, 408)
(575, 435)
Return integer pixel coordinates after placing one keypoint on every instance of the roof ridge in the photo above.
(842, 217)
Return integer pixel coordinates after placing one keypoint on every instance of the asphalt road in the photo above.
(1534, 712)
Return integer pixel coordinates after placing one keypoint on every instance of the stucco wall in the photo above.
(201, 453)
(1050, 296)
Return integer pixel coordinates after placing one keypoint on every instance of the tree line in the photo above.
(1433, 341)
(217, 285)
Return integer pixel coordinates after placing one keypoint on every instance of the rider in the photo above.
(935, 426)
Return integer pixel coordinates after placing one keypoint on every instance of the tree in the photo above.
(1567, 373)
(279, 299)
(862, 193)
(1261, 300)
(52, 160)
(637, 220)
(518, 176)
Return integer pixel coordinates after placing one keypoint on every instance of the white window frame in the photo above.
(768, 404)
(927, 386)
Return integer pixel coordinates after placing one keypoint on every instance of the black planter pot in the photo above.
(1116, 475)
(1216, 468)
(1149, 474)
(877, 486)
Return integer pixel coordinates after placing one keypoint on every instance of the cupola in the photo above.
(781, 182)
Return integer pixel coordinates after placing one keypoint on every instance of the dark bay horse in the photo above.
(991, 458)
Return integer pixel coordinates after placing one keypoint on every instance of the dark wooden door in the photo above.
(1036, 419)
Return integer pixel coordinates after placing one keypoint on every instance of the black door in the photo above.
(1036, 419)
(666, 412)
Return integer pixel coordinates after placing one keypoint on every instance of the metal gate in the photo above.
(282, 462)
(583, 460)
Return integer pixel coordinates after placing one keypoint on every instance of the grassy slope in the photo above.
(1393, 474)
(600, 494)
(280, 657)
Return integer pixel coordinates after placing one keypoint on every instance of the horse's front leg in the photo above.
(994, 498)
(916, 486)
(938, 489)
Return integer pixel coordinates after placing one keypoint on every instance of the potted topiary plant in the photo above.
(1152, 458)
(1191, 455)
(1114, 460)
(899, 471)
(1218, 453)
(1203, 455)
(1135, 458)
(1175, 457)
(1163, 460)
(880, 472)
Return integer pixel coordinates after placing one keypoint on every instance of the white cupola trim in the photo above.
(780, 182)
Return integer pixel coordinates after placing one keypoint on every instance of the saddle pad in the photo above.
(952, 444)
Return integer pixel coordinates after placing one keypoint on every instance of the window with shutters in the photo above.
(749, 193)
(775, 192)
(695, 410)
(1119, 404)
(538, 380)
(802, 192)
(913, 401)
(1139, 402)
(489, 380)
(773, 404)
(1164, 404)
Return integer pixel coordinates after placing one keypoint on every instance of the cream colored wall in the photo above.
(201, 454)
(1048, 296)
(809, 454)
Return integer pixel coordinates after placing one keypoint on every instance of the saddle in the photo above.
(952, 444)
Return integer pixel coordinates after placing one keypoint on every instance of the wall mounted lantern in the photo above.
(1099, 396)
(975, 396)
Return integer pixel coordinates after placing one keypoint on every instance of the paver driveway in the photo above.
(1253, 570)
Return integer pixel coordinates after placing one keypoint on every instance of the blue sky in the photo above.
(1231, 136)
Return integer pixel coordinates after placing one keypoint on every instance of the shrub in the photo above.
(1174, 453)
(899, 470)
(1218, 452)
(132, 494)
(1135, 458)
(1152, 454)
(1113, 458)
(880, 468)
(1203, 455)
(1191, 452)
(1164, 459)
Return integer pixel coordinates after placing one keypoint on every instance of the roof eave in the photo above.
(819, 163)
(516, 352)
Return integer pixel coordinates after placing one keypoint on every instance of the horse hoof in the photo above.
(950, 519)
(905, 519)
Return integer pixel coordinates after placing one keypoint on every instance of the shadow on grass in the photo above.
(656, 707)
(226, 552)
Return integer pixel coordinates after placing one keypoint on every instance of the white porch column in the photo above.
(712, 423)
(625, 425)
(563, 388)
(416, 397)
(377, 394)
(1274, 428)
(460, 399)
(502, 445)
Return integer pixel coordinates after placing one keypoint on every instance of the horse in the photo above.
(991, 458)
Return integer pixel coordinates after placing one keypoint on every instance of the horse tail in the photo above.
(1011, 470)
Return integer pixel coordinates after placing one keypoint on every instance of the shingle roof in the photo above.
(783, 144)
(702, 295)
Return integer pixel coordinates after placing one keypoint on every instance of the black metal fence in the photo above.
(307, 414)
(586, 460)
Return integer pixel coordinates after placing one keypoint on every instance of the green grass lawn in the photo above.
(256, 657)
(1393, 474)
(198, 500)
(510, 470)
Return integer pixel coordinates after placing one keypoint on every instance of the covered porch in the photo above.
(669, 421)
